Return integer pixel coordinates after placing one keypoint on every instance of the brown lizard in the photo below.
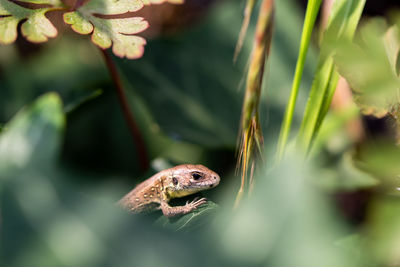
(182, 180)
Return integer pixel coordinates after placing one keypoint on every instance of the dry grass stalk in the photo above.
(251, 137)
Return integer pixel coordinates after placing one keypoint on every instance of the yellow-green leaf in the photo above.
(156, 2)
(96, 17)
(37, 28)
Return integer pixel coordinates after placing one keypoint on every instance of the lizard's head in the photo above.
(188, 179)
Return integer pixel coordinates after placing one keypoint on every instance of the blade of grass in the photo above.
(341, 26)
(311, 14)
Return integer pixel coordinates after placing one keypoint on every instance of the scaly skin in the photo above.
(179, 181)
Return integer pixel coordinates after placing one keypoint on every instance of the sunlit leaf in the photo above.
(152, 2)
(96, 18)
(37, 28)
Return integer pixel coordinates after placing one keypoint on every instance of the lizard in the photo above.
(179, 181)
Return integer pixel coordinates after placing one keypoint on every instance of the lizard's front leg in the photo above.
(180, 210)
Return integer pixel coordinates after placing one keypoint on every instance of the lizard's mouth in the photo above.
(195, 187)
(205, 184)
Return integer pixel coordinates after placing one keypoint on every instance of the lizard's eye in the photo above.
(174, 181)
(196, 176)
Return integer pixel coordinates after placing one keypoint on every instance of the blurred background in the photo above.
(66, 153)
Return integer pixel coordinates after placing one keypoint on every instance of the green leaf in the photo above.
(190, 221)
(370, 68)
(96, 17)
(33, 136)
(346, 176)
(384, 230)
(37, 28)
(382, 160)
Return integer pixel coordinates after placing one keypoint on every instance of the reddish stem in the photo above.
(130, 120)
(77, 4)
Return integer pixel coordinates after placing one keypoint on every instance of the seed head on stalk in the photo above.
(251, 137)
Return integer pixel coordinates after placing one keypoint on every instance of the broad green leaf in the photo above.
(37, 28)
(370, 68)
(33, 136)
(95, 17)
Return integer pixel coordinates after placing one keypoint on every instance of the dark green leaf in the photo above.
(198, 98)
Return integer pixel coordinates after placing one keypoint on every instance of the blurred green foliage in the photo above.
(66, 157)
(47, 221)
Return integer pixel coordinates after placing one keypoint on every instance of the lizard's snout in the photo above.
(216, 179)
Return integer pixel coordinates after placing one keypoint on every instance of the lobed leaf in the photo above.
(156, 2)
(93, 18)
(37, 28)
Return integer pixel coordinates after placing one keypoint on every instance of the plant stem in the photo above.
(77, 4)
(130, 120)
(311, 14)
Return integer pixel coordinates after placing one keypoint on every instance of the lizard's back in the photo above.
(145, 196)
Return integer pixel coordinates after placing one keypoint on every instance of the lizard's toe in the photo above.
(195, 199)
(199, 202)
